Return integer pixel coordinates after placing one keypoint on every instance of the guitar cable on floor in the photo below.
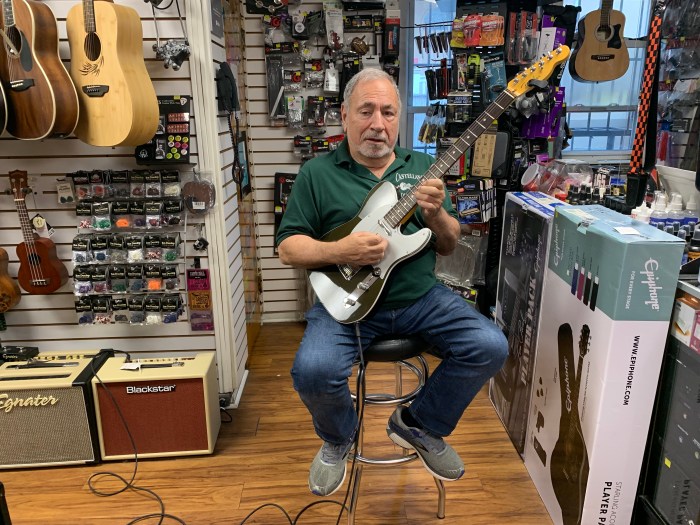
(128, 484)
(353, 450)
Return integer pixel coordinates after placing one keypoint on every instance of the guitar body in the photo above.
(37, 86)
(601, 53)
(118, 105)
(10, 294)
(569, 465)
(334, 289)
(40, 272)
(3, 109)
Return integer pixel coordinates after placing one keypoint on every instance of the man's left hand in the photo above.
(430, 196)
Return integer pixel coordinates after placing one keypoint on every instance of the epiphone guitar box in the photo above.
(527, 221)
(170, 405)
(607, 301)
(46, 410)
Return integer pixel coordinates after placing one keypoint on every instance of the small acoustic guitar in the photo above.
(118, 104)
(601, 53)
(10, 294)
(41, 97)
(40, 270)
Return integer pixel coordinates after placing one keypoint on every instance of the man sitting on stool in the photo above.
(329, 191)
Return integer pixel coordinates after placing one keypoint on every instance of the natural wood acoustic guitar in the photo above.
(601, 53)
(40, 270)
(3, 109)
(41, 98)
(10, 294)
(118, 105)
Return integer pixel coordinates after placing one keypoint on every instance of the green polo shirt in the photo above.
(329, 191)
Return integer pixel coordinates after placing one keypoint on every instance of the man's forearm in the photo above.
(302, 251)
(446, 230)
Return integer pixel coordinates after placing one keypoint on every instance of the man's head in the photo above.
(370, 113)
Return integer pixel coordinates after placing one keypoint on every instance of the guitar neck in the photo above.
(25, 223)
(89, 16)
(605, 8)
(405, 206)
(7, 13)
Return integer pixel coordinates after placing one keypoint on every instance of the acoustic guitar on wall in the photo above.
(3, 109)
(600, 53)
(118, 104)
(41, 98)
(10, 294)
(40, 270)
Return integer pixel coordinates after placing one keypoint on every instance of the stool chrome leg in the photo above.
(441, 498)
(355, 492)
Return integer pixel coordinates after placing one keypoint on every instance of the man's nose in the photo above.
(377, 120)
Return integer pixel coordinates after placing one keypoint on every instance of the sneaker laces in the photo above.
(433, 443)
(331, 454)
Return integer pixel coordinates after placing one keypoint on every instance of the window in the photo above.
(601, 116)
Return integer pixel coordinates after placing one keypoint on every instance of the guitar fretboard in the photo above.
(605, 8)
(89, 16)
(25, 223)
(396, 215)
(7, 13)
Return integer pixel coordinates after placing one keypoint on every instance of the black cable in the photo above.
(354, 456)
(229, 416)
(130, 483)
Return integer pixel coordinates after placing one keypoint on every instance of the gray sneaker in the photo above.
(438, 457)
(327, 470)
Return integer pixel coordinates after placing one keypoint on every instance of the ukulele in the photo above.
(569, 464)
(601, 53)
(349, 293)
(118, 105)
(40, 271)
(10, 294)
(38, 89)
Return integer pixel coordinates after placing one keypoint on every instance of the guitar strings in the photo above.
(32, 257)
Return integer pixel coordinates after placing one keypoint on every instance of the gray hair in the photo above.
(369, 73)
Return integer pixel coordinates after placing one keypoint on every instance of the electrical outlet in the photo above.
(225, 399)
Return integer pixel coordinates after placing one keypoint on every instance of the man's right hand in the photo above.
(362, 248)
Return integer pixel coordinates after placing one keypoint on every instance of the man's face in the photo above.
(371, 121)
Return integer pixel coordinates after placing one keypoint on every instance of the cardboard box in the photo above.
(686, 310)
(607, 301)
(527, 223)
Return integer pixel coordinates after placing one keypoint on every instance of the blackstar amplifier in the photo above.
(46, 410)
(171, 406)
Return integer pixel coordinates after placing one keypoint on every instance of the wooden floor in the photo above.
(263, 457)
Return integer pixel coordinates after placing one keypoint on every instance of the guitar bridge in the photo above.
(95, 90)
(348, 271)
(21, 85)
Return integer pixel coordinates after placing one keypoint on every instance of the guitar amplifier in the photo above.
(170, 405)
(46, 410)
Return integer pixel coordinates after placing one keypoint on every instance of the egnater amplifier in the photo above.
(46, 410)
(171, 406)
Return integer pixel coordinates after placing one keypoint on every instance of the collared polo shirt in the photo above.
(329, 191)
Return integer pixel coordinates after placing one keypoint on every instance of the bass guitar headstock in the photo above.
(542, 69)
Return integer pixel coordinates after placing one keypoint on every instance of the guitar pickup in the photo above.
(95, 90)
(21, 85)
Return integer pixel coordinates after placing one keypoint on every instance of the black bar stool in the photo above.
(398, 349)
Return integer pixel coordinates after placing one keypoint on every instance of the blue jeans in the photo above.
(472, 349)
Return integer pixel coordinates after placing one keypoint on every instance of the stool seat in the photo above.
(390, 348)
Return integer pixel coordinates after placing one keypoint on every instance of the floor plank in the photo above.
(263, 456)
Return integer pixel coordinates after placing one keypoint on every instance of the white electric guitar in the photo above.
(349, 293)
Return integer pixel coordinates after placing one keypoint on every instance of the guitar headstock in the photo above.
(584, 341)
(19, 184)
(542, 69)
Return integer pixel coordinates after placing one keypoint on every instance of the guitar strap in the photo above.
(643, 157)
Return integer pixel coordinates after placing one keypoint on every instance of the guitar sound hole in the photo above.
(15, 37)
(604, 33)
(93, 47)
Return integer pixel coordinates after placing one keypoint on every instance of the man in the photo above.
(328, 192)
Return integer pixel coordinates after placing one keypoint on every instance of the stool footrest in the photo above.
(387, 461)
